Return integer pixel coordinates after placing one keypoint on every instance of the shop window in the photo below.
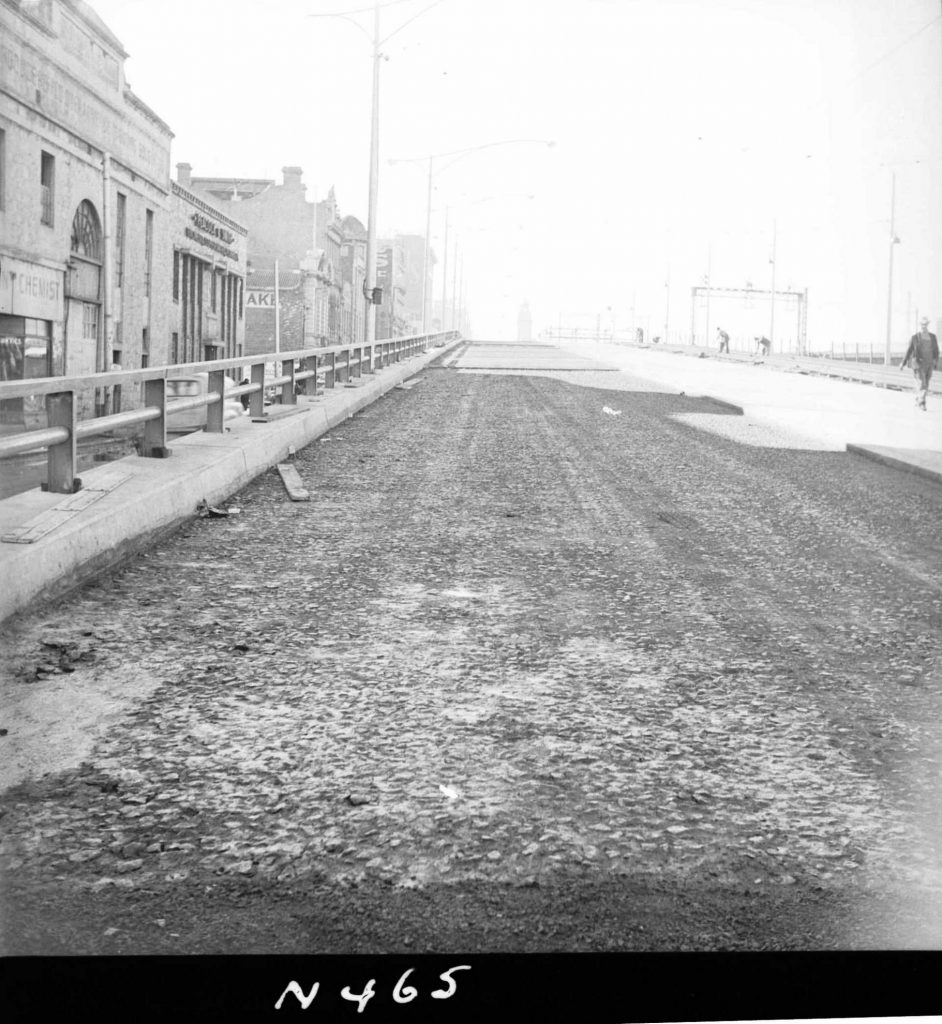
(25, 354)
(86, 232)
(176, 277)
(175, 347)
(47, 182)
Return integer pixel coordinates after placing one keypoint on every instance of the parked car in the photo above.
(190, 386)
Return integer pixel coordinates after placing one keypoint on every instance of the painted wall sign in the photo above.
(259, 299)
(204, 223)
(27, 289)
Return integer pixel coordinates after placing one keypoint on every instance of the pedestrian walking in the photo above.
(763, 344)
(244, 399)
(923, 355)
(723, 339)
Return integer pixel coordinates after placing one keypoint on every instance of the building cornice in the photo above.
(208, 208)
(135, 101)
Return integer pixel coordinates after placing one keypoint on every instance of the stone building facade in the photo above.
(207, 312)
(321, 251)
(84, 183)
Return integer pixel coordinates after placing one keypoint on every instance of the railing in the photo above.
(338, 364)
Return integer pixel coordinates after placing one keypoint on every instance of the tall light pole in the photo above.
(445, 273)
(369, 283)
(772, 307)
(709, 286)
(889, 287)
(431, 158)
(369, 327)
(667, 305)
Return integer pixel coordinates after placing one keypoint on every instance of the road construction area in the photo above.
(556, 658)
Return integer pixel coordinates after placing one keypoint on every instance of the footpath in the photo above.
(123, 505)
(868, 410)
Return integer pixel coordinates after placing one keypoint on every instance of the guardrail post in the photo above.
(359, 355)
(371, 349)
(216, 411)
(330, 375)
(310, 385)
(288, 396)
(60, 462)
(155, 431)
(257, 398)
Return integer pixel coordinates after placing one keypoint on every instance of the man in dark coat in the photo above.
(923, 355)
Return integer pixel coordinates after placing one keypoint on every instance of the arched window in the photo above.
(86, 231)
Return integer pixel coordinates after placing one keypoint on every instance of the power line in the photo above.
(889, 53)
(359, 10)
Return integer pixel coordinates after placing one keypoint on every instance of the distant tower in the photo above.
(524, 323)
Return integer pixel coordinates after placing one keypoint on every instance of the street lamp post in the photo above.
(431, 158)
(889, 294)
(772, 305)
(445, 272)
(369, 283)
(369, 333)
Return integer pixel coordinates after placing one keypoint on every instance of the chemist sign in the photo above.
(27, 289)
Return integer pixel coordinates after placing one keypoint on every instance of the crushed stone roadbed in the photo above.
(524, 674)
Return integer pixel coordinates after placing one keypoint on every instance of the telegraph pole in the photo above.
(445, 273)
(370, 283)
(772, 306)
(889, 293)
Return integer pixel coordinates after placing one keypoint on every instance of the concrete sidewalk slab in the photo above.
(162, 494)
(836, 411)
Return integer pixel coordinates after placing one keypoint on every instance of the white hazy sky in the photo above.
(683, 130)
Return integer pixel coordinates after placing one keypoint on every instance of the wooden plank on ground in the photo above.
(292, 481)
(37, 527)
(410, 383)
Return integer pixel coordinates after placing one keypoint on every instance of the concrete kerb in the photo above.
(162, 494)
(927, 464)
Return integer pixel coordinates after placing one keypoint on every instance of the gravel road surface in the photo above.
(551, 661)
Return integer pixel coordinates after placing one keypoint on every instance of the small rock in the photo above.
(494, 855)
(124, 866)
(110, 931)
(160, 922)
(83, 855)
(177, 876)
(356, 799)
(132, 850)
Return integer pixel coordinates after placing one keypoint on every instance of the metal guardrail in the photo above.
(337, 363)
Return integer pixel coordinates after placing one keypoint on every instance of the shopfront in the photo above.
(31, 335)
